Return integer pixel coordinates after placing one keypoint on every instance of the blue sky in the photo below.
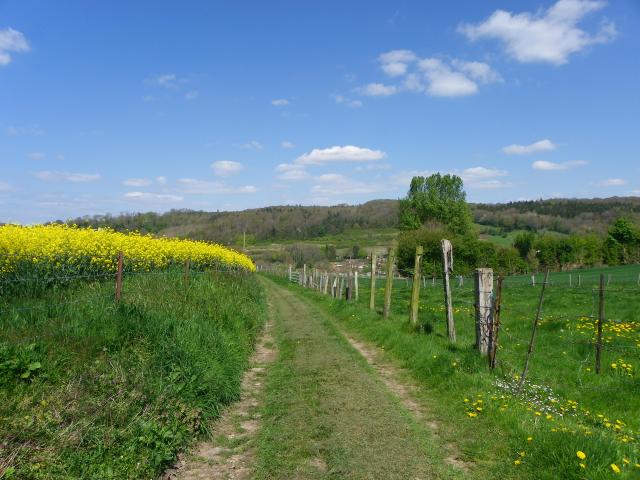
(135, 106)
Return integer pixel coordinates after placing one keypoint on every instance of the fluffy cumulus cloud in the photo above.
(11, 41)
(225, 168)
(546, 36)
(346, 153)
(432, 76)
(67, 176)
(545, 165)
(539, 146)
(287, 144)
(203, 187)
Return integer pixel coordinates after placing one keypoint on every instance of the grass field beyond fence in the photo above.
(564, 407)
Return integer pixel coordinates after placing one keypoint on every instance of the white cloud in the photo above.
(479, 71)
(396, 62)
(433, 76)
(191, 95)
(484, 178)
(349, 102)
(404, 177)
(347, 153)
(539, 146)
(161, 180)
(137, 182)
(280, 102)
(287, 144)
(225, 168)
(331, 178)
(545, 165)
(11, 41)
(442, 81)
(202, 187)
(36, 156)
(378, 90)
(66, 176)
(548, 36)
(613, 182)
(252, 145)
(291, 172)
(5, 187)
(635, 193)
(154, 197)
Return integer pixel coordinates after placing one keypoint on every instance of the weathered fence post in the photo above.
(290, 273)
(483, 293)
(600, 320)
(304, 274)
(372, 292)
(447, 268)
(334, 287)
(533, 280)
(119, 277)
(355, 285)
(495, 324)
(341, 286)
(533, 333)
(349, 291)
(186, 272)
(388, 284)
(415, 290)
(327, 277)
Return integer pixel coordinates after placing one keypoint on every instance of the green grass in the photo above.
(563, 362)
(327, 414)
(92, 389)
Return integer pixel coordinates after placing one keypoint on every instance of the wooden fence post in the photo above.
(495, 324)
(304, 274)
(415, 284)
(372, 292)
(119, 277)
(349, 290)
(533, 333)
(533, 280)
(483, 293)
(600, 320)
(388, 284)
(290, 277)
(355, 285)
(447, 268)
(187, 264)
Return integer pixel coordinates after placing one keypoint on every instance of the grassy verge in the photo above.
(566, 409)
(90, 389)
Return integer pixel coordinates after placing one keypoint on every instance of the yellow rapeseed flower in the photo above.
(615, 468)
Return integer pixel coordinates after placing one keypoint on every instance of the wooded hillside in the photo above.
(304, 222)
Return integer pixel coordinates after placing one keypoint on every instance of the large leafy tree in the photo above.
(436, 199)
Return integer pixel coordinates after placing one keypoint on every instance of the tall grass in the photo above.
(91, 389)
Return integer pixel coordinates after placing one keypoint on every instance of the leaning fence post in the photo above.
(495, 324)
(119, 277)
(447, 268)
(388, 284)
(533, 333)
(372, 292)
(415, 284)
(483, 293)
(600, 320)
